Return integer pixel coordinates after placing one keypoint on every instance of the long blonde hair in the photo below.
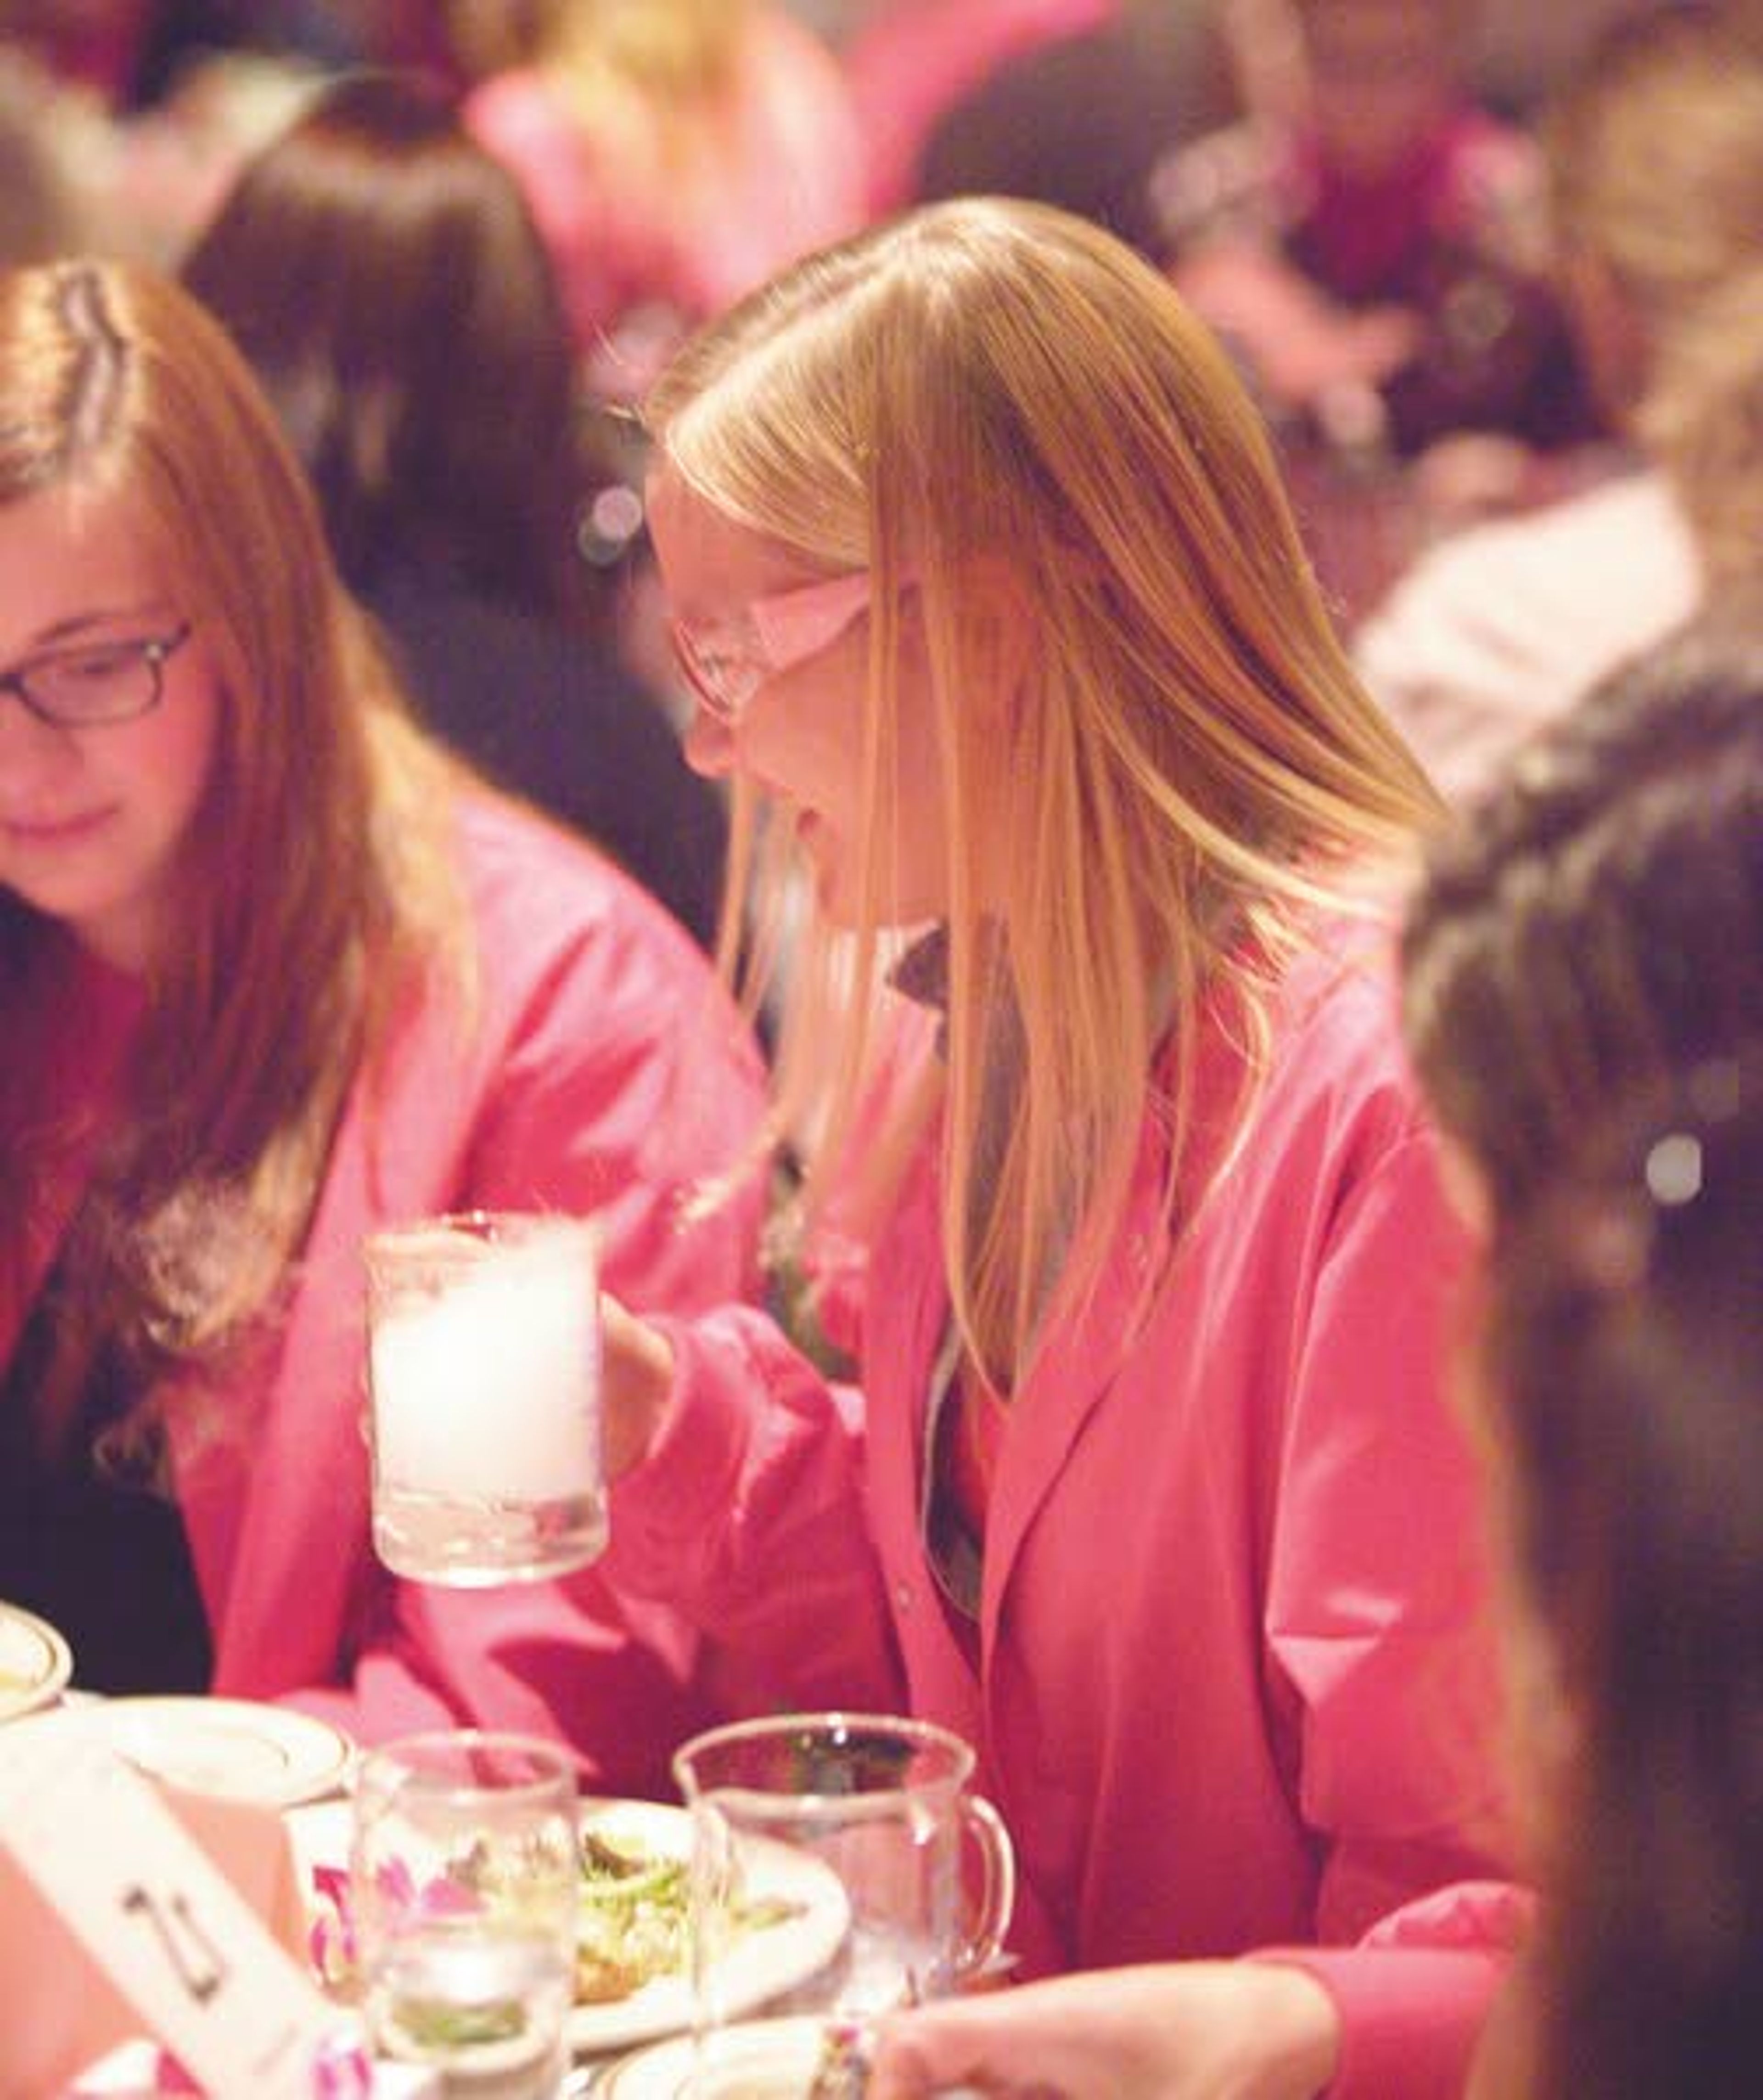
(1656, 172)
(315, 879)
(1003, 383)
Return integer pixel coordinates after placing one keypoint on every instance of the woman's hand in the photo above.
(636, 1375)
(1173, 2031)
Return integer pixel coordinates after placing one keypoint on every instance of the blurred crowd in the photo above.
(1357, 194)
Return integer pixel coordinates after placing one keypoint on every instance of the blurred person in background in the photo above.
(381, 273)
(1370, 244)
(149, 128)
(100, 45)
(674, 153)
(131, 53)
(1081, 119)
(1587, 945)
(1656, 155)
(41, 210)
(1524, 55)
(1590, 942)
(276, 971)
(910, 64)
(1622, 1388)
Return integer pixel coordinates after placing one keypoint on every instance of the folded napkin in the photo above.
(62, 2013)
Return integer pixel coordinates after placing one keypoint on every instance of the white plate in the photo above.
(34, 1662)
(758, 2060)
(241, 1747)
(770, 1959)
(767, 1961)
(235, 1747)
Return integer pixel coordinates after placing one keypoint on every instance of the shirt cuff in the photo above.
(1410, 2016)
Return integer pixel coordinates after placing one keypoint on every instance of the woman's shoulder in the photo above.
(1324, 1016)
(1297, 1083)
(1335, 1039)
(573, 963)
(534, 888)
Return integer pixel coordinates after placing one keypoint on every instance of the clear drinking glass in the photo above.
(876, 1811)
(484, 1397)
(463, 1877)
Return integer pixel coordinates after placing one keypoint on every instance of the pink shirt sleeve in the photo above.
(1413, 1998)
(620, 1078)
(1379, 1619)
(748, 1515)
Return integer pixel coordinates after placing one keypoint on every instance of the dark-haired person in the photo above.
(1622, 1378)
(381, 274)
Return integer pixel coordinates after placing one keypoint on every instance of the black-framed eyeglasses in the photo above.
(97, 683)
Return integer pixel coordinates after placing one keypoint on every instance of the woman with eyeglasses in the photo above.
(274, 972)
(1582, 969)
(981, 571)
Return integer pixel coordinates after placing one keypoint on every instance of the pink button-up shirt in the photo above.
(1233, 1685)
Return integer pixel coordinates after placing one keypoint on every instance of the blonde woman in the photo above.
(275, 971)
(1655, 158)
(980, 569)
(673, 153)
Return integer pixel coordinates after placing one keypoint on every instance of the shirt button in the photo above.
(903, 1595)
